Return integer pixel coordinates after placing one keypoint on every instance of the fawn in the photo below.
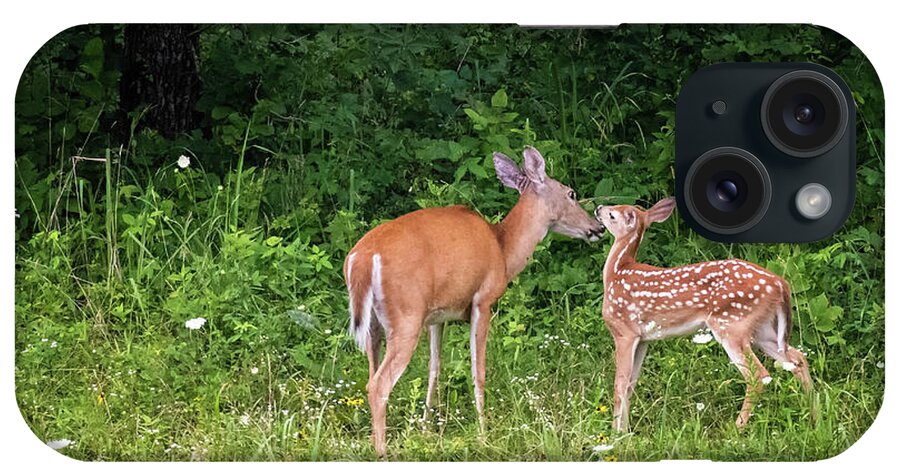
(742, 304)
(440, 264)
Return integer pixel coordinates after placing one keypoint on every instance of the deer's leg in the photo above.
(801, 371)
(639, 354)
(742, 356)
(480, 321)
(400, 346)
(435, 333)
(766, 340)
(626, 348)
(373, 346)
(801, 368)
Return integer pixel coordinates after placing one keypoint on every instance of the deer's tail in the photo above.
(361, 272)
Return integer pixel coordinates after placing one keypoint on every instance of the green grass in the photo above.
(546, 406)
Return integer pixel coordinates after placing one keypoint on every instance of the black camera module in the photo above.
(727, 189)
(778, 164)
(804, 113)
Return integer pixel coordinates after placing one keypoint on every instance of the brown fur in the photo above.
(437, 264)
(743, 304)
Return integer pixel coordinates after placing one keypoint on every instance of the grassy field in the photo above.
(321, 133)
(550, 400)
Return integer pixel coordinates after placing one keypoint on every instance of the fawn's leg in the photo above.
(639, 355)
(742, 356)
(626, 347)
(767, 341)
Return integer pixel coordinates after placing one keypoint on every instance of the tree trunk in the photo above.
(160, 73)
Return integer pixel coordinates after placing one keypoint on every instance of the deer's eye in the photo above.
(572, 194)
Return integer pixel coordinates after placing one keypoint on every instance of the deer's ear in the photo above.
(630, 216)
(507, 171)
(662, 210)
(534, 165)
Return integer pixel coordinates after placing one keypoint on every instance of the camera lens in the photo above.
(804, 113)
(727, 190)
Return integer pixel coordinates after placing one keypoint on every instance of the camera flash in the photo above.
(813, 201)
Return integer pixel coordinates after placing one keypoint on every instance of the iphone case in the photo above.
(196, 266)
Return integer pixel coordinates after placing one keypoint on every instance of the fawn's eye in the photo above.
(571, 194)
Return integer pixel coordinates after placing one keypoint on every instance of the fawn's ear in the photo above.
(662, 210)
(534, 165)
(508, 172)
(630, 217)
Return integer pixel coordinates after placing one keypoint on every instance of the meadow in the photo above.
(181, 298)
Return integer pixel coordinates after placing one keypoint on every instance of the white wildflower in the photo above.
(53, 344)
(880, 365)
(327, 331)
(195, 323)
(700, 406)
(254, 370)
(59, 444)
(767, 380)
(701, 338)
(245, 419)
(184, 161)
(788, 366)
(602, 448)
(220, 188)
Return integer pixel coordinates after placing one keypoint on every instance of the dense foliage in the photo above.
(311, 136)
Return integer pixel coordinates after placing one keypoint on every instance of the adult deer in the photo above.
(439, 264)
(744, 305)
